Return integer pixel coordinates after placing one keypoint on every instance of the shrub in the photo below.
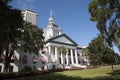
(26, 69)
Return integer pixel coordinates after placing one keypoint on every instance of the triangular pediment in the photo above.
(63, 39)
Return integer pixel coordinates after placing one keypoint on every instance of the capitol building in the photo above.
(51, 56)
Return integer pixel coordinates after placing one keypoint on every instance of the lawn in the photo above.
(101, 73)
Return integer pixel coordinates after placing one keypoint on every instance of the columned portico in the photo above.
(55, 39)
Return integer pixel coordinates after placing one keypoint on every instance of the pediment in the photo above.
(63, 39)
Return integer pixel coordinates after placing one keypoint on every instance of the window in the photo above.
(0, 68)
(43, 59)
(42, 67)
(69, 52)
(43, 62)
(2, 57)
(10, 68)
(34, 59)
(12, 59)
(78, 54)
(34, 67)
(79, 61)
(65, 61)
(24, 59)
(34, 62)
(1, 60)
(59, 60)
(70, 60)
(74, 60)
(73, 52)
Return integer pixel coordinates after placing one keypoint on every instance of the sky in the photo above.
(72, 16)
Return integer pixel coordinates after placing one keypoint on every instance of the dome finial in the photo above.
(51, 20)
(50, 13)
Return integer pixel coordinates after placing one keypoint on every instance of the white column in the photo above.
(49, 49)
(56, 54)
(67, 57)
(61, 58)
(49, 54)
(76, 57)
(72, 57)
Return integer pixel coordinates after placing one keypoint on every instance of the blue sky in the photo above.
(71, 16)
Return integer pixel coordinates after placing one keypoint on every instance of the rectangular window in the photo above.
(0, 68)
(12, 61)
(10, 68)
(70, 60)
(1, 60)
(65, 61)
(59, 60)
(34, 62)
(34, 67)
(69, 52)
(79, 61)
(24, 59)
(73, 52)
(74, 60)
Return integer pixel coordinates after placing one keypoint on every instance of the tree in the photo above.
(6, 1)
(107, 15)
(96, 48)
(63, 51)
(86, 52)
(100, 53)
(10, 22)
(32, 38)
(15, 33)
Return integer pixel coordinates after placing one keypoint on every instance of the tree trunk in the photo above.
(6, 59)
(8, 54)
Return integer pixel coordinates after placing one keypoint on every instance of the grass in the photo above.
(90, 73)
(101, 73)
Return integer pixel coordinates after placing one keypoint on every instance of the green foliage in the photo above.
(62, 49)
(99, 53)
(32, 38)
(107, 15)
(6, 1)
(26, 69)
(102, 73)
(10, 22)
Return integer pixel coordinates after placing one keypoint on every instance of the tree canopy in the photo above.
(11, 21)
(15, 33)
(107, 15)
(99, 53)
(32, 38)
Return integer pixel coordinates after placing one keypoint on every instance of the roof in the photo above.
(53, 25)
(29, 10)
(52, 40)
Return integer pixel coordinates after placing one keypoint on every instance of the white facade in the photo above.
(50, 56)
(54, 39)
(30, 16)
(52, 30)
